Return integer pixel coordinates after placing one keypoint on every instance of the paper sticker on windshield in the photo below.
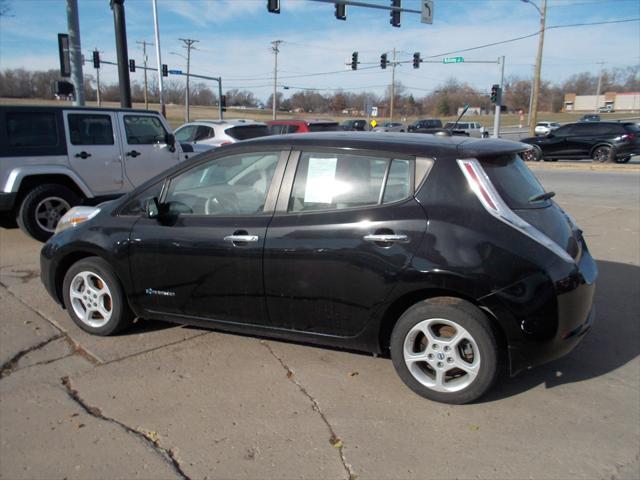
(320, 179)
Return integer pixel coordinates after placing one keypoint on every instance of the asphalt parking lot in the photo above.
(165, 401)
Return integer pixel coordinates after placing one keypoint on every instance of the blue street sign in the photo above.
(175, 72)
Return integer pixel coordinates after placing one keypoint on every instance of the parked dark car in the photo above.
(354, 125)
(427, 125)
(444, 252)
(590, 118)
(600, 141)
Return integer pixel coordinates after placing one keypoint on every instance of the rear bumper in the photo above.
(627, 149)
(548, 314)
(7, 201)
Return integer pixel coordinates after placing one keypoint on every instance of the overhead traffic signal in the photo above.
(354, 61)
(273, 6)
(416, 60)
(165, 70)
(495, 93)
(383, 61)
(341, 11)
(96, 59)
(395, 14)
(132, 65)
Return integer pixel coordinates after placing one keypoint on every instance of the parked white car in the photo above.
(544, 128)
(391, 127)
(204, 135)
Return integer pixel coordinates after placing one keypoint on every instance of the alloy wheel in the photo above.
(49, 212)
(91, 299)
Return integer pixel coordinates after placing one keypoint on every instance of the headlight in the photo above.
(76, 216)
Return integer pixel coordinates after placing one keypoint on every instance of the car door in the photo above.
(146, 152)
(203, 259)
(557, 142)
(94, 150)
(346, 226)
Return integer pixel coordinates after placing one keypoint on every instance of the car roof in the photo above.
(298, 121)
(40, 108)
(410, 144)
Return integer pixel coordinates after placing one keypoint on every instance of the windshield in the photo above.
(245, 132)
(513, 180)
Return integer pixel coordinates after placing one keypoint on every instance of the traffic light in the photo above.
(96, 59)
(341, 11)
(383, 61)
(495, 93)
(132, 65)
(354, 61)
(416, 60)
(273, 6)
(165, 70)
(395, 14)
(223, 103)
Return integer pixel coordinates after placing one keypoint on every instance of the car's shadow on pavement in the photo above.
(614, 339)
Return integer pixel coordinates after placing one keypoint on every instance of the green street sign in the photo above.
(453, 60)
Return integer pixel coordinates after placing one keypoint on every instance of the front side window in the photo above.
(233, 185)
(32, 129)
(90, 129)
(336, 181)
(185, 134)
(143, 130)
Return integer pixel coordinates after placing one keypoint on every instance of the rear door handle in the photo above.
(387, 238)
(241, 238)
(82, 155)
(133, 154)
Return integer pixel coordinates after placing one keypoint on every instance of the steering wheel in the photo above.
(221, 203)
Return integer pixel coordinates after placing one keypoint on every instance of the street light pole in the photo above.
(536, 79)
(158, 57)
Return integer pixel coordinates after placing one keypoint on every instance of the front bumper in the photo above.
(7, 201)
(548, 314)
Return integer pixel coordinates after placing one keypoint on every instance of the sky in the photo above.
(234, 40)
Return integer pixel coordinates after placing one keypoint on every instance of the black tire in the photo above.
(95, 268)
(532, 155)
(461, 314)
(33, 207)
(601, 154)
(623, 159)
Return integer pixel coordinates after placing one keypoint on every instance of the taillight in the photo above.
(628, 137)
(484, 190)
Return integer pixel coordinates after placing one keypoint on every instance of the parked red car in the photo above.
(278, 127)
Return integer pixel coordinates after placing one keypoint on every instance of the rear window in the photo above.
(632, 127)
(513, 180)
(323, 127)
(245, 132)
(32, 129)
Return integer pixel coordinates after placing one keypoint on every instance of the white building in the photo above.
(618, 102)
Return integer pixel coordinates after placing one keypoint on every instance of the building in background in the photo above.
(608, 101)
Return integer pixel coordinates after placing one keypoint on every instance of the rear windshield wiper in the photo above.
(541, 197)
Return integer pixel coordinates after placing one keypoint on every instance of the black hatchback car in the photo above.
(445, 252)
(600, 141)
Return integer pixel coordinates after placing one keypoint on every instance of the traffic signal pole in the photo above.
(75, 55)
(158, 58)
(496, 118)
(121, 48)
(393, 84)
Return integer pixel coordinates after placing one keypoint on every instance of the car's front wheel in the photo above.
(534, 154)
(94, 297)
(444, 349)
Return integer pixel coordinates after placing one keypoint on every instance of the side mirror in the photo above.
(170, 140)
(152, 208)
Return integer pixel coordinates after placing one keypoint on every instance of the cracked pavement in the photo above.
(167, 401)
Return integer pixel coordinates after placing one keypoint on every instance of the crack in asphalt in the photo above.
(334, 439)
(150, 439)
(9, 366)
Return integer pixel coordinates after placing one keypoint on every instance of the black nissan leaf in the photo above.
(443, 252)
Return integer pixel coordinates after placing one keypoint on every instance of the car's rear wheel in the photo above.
(601, 154)
(623, 159)
(94, 298)
(41, 209)
(444, 349)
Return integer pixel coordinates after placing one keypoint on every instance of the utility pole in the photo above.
(188, 44)
(393, 84)
(536, 79)
(75, 52)
(158, 57)
(275, 44)
(144, 44)
(120, 25)
(599, 87)
(496, 118)
(530, 101)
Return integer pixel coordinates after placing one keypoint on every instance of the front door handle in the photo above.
(82, 155)
(386, 238)
(133, 154)
(241, 238)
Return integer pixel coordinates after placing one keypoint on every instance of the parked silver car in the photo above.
(470, 129)
(544, 128)
(204, 135)
(391, 127)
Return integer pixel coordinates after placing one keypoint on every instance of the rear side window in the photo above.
(32, 129)
(245, 132)
(89, 129)
(330, 181)
(143, 130)
(513, 180)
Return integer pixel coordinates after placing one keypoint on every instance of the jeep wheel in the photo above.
(43, 207)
